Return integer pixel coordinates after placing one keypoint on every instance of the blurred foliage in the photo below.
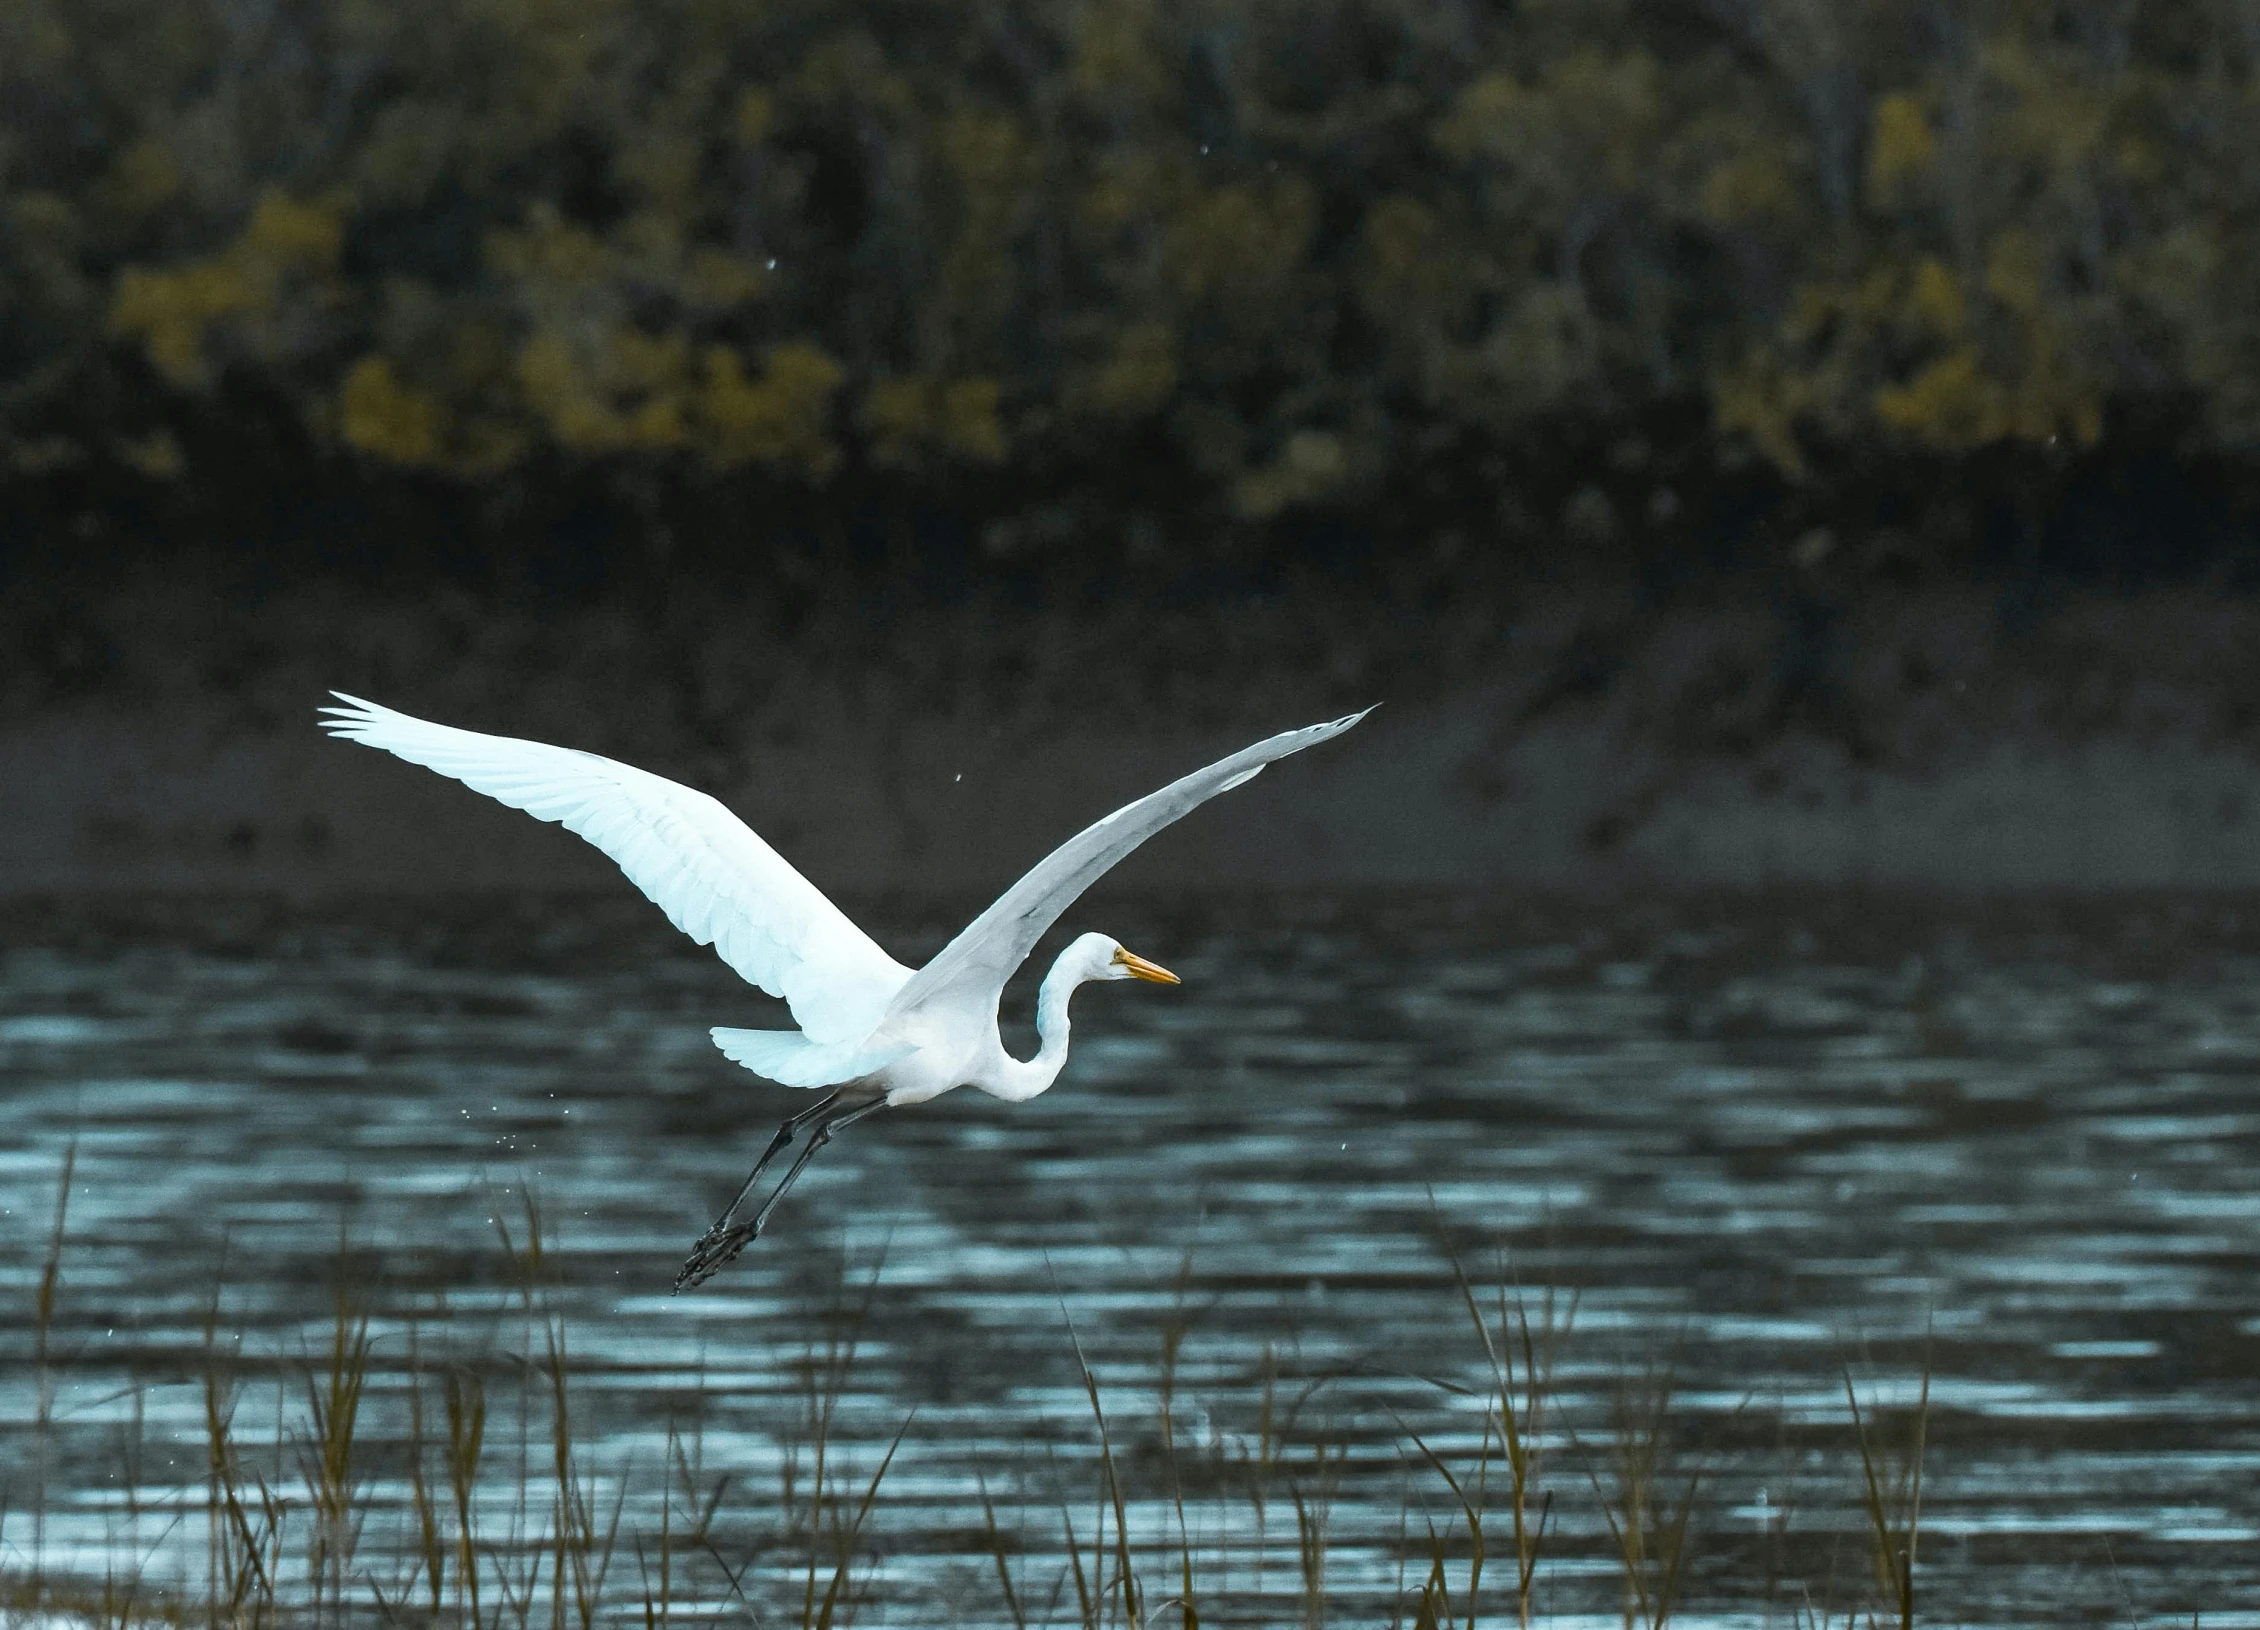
(1292, 244)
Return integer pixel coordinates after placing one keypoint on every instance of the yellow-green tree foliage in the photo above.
(1291, 238)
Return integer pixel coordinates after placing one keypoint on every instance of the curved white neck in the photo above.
(1023, 1081)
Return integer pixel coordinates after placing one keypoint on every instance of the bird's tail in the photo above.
(791, 1060)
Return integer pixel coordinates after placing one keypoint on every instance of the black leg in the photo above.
(823, 1135)
(785, 1135)
(722, 1242)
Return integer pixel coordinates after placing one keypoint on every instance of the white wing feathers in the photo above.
(712, 875)
(999, 940)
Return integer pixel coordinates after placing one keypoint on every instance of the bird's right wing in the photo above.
(999, 940)
(709, 871)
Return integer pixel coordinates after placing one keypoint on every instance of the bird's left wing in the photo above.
(709, 871)
(999, 940)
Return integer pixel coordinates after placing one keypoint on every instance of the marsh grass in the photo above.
(1891, 1493)
(43, 1329)
(1650, 1533)
(1312, 1477)
(1518, 1343)
(1112, 1578)
(493, 1515)
(453, 1488)
(1314, 1502)
(1520, 1353)
(832, 1519)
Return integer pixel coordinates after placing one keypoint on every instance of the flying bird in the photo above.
(878, 1034)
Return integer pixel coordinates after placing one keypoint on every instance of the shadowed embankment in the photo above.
(1564, 738)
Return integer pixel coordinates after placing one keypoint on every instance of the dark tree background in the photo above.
(1032, 286)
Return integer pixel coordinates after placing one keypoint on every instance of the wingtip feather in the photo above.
(1334, 727)
(351, 721)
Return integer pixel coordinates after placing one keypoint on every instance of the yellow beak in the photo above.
(1140, 968)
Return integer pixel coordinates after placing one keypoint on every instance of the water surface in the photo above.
(1747, 1148)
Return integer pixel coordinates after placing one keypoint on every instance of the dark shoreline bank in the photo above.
(1805, 728)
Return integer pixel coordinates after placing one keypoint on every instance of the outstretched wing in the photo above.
(712, 875)
(999, 940)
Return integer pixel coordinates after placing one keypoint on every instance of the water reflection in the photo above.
(1756, 1145)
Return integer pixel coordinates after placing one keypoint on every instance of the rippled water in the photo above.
(1748, 1146)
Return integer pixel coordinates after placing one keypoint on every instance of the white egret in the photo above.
(877, 1033)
